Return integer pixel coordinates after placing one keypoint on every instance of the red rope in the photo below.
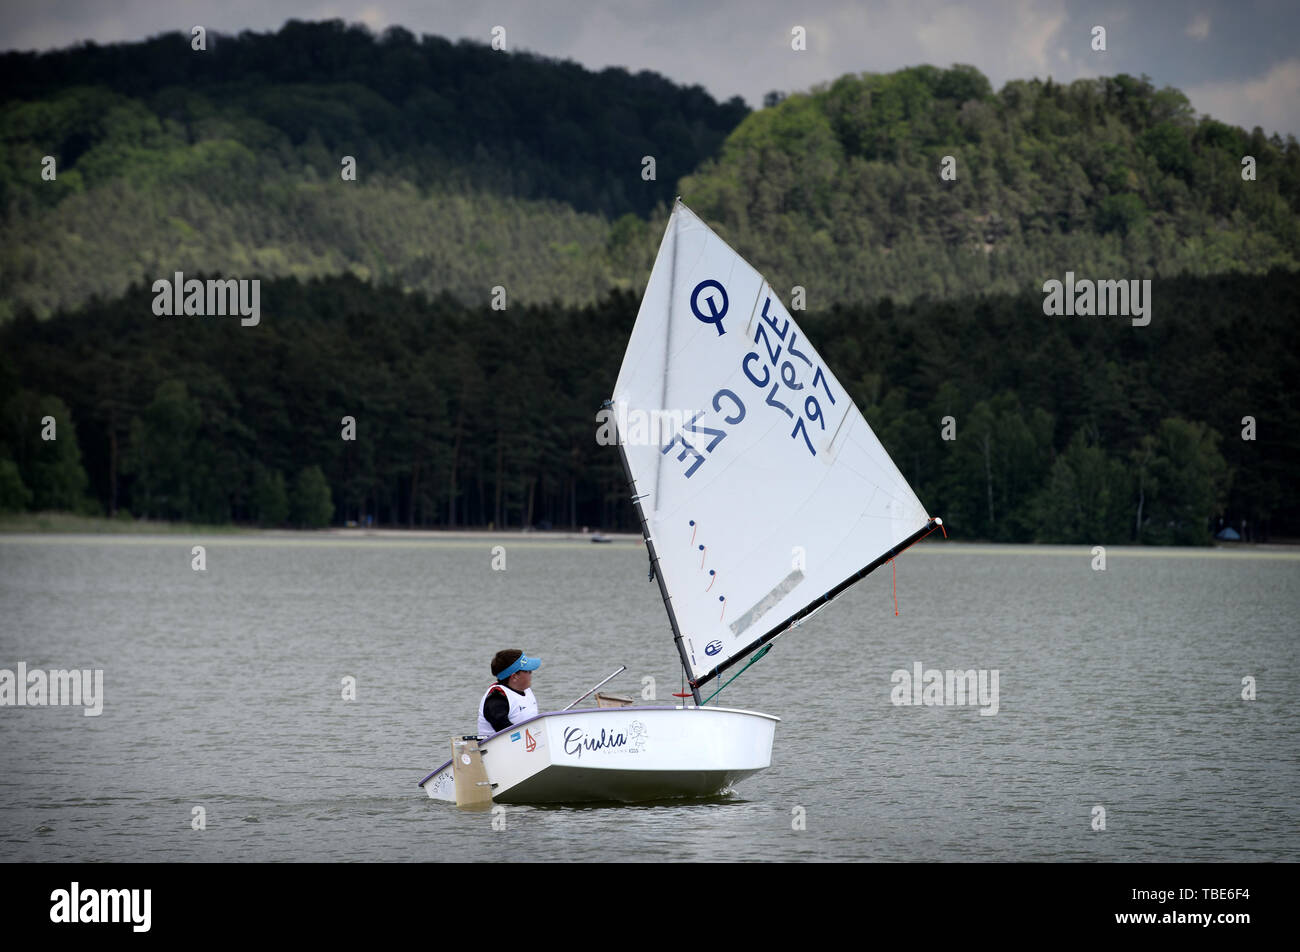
(891, 562)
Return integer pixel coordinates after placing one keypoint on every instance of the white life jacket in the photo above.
(522, 707)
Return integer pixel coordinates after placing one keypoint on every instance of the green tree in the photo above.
(50, 468)
(1191, 478)
(313, 506)
(1086, 497)
(162, 453)
(270, 500)
(1168, 145)
(1121, 213)
(997, 464)
(14, 496)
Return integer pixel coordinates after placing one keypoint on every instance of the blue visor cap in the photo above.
(524, 663)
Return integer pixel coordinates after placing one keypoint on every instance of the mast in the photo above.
(817, 603)
(627, 469)
(654, 560)
(668, 333)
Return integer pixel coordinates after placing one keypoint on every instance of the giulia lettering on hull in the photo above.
(575, 741)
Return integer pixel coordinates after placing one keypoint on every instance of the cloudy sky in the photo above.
(1238, 61)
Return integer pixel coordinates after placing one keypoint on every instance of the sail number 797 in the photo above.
(789, 386)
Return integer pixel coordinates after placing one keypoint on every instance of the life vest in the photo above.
(522, 706)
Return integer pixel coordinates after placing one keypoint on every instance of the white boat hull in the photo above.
(627, 754)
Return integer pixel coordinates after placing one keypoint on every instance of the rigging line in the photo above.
(761, 652)
(938, 524)
(935, 523)
(799, 622)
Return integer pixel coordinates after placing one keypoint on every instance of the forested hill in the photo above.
(474, 167)
(425, 110)
(840, 190)
(477, 168)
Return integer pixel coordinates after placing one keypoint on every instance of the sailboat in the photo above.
(762, 494)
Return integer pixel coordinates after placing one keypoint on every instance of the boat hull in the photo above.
(620, 754)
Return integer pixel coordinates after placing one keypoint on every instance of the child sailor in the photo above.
(510, 700)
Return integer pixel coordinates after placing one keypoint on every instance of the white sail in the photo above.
(762, 486)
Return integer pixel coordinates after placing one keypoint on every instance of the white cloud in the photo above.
(1271, 101)
(1007, 42)
(1199, 28)
(1037, 29)
(946, 33)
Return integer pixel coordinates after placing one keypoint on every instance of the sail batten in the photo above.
(767, 487)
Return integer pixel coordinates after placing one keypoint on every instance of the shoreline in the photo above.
(40, 524)
(51, 525)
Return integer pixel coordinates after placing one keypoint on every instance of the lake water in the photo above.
(1118, 689)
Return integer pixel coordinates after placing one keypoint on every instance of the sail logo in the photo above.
(530, 742)
(712, 648)
(935, 688)
(716, 312)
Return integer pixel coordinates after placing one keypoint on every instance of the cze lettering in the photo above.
(788, 371)
(714, 433)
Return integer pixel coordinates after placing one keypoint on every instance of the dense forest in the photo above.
(1063, 429)
(920, 212)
